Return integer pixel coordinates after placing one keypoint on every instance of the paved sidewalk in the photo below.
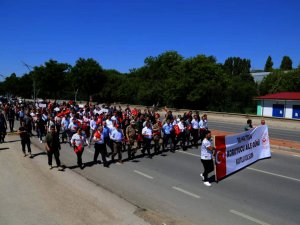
(31, 194)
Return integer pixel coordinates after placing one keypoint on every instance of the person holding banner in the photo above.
(207, 151)
(249, 125)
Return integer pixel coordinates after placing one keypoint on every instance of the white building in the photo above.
(259, 76)
(284, 105)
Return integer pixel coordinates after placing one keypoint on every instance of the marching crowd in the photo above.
(111, 129)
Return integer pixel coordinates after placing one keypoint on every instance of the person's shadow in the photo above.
(3, 149)
(37, 154)
(13, 141)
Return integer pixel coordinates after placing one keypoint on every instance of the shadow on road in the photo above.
(13, 141)
(3, 149)
(37, 154)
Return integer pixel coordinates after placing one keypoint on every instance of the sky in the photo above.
(121, 34)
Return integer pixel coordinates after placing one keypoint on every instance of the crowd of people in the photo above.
(111, 129)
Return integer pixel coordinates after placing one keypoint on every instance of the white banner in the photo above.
(41, 105)
(234, 152)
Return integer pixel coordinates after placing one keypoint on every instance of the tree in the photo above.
(50, 78)
(241, 87)
(87, 77)
(286, 63)
(26, 86)
(11, 85)
(280, 81)
(269, 65)
(236, 66)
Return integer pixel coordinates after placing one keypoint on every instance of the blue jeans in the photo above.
(40, 133)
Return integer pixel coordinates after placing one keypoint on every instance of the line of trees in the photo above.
(168, 79)
(286, 64)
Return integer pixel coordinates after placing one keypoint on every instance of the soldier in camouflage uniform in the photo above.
(157, 135)
(131, 134)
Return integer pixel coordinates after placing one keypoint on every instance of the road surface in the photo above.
(292, 135)
(267, 192)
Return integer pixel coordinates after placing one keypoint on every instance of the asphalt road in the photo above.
(267, 192)
(292, 135)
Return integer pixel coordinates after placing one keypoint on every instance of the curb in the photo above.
(283, 148)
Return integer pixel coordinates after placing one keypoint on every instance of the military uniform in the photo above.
(156, 137)
(131, 137)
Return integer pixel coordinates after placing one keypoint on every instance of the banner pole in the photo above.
(215, 170)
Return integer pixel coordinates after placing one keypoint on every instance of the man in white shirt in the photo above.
(77, 141)
(195, 130)
(147, 138)
(93, 127)
(182, 135)
(207, 151)
(109, 122)
(203, 126)
(116, 136)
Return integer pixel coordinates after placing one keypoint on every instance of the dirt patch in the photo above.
(155, 218)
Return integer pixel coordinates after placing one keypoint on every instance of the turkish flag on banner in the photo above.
(220, 159)
(234, 152)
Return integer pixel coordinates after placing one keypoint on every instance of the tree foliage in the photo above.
(87, 77)
(286, 63)
(50, 79)
(269, 65)
(280, 81)
(198, 82)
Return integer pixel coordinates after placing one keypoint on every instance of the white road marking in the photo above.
(143, 174)
(248, 217)
(188, 153)
(186, 192)
(274, 174)
(250, 168)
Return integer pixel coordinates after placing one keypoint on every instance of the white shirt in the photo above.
(113, 118)
(97, 111)
(93, 125)
(116, 135)
(203, 124)
(206, 154)
(195, 124)
(109, 124)
(181, 126)
(148, 132)
(78, 140)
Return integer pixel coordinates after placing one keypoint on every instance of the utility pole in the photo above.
(33, 79)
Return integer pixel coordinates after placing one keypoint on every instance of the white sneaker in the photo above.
(201, 175)
(206, 183)
(41, 142)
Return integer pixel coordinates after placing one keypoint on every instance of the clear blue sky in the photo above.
(120, 34)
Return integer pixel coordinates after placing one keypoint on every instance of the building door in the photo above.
(278, 110)
(296, 111)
